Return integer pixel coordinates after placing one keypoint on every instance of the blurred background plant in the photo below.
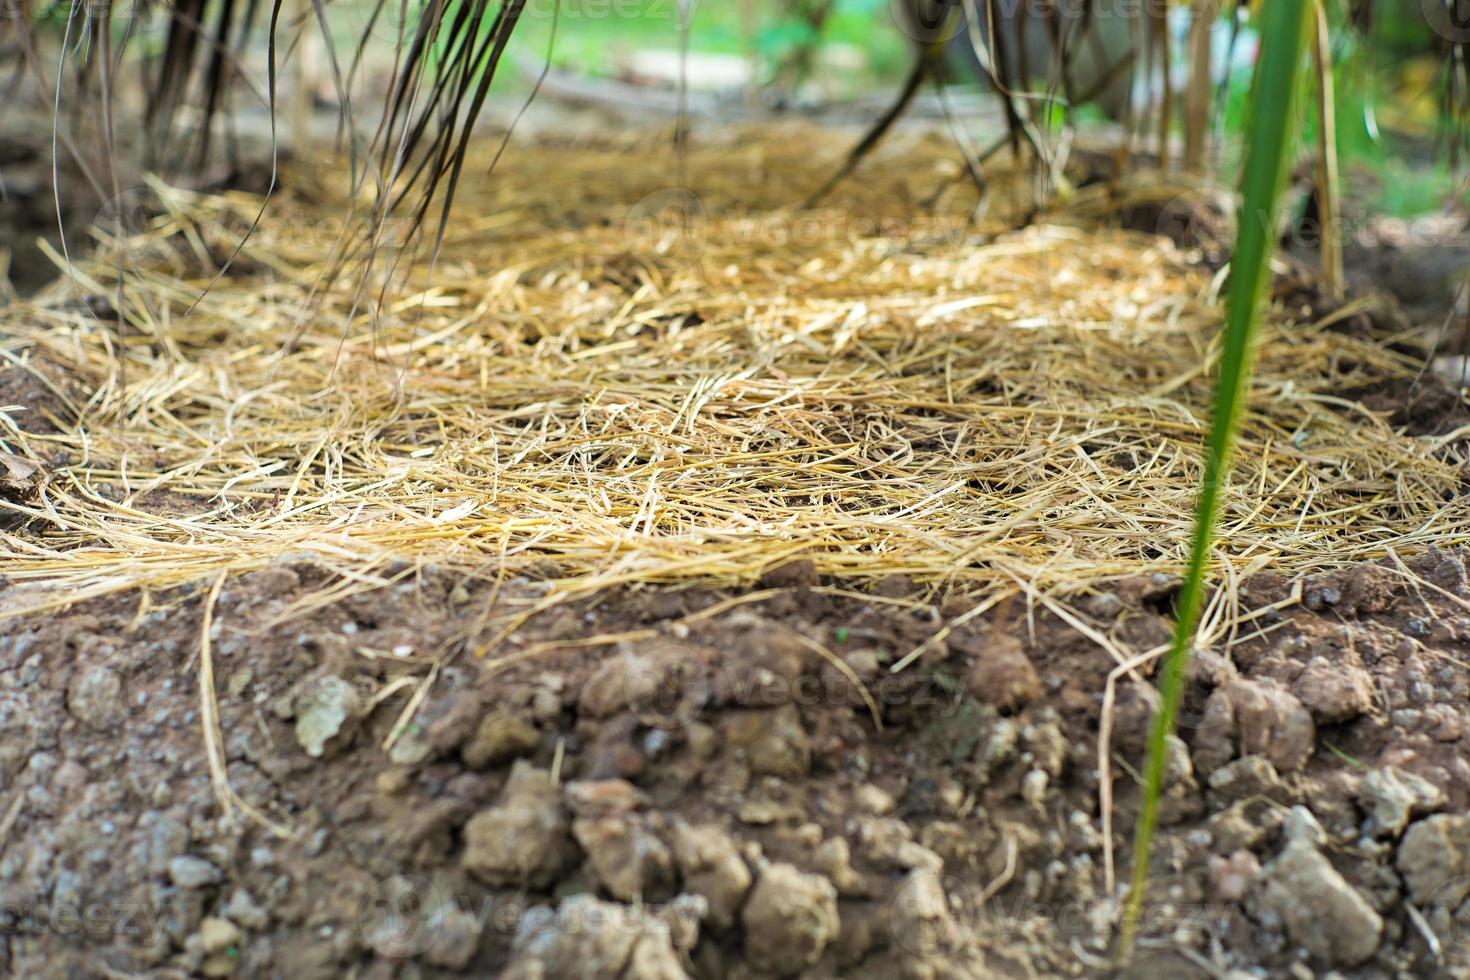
(1397, 83)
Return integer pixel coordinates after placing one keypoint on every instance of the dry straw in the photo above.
(611, 387)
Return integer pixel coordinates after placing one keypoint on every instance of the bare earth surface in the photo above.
(712, 794)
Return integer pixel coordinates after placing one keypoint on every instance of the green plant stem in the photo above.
(1273, 107)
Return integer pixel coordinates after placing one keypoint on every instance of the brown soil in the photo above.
(695, 782)
(661, 782)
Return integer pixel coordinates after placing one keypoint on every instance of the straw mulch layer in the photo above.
(279, 522)
(644, 384)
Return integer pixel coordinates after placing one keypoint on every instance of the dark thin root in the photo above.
(924, 66)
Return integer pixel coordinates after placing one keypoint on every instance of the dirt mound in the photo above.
(660, 783)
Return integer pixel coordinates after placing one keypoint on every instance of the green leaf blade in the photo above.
(1268, 152)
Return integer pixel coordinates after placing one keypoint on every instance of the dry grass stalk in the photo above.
(1329, 187)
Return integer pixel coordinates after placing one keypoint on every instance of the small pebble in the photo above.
(190, 872)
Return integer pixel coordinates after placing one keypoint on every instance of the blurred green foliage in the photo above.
(1388, 124)
(592, 34)
(1386, 103)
